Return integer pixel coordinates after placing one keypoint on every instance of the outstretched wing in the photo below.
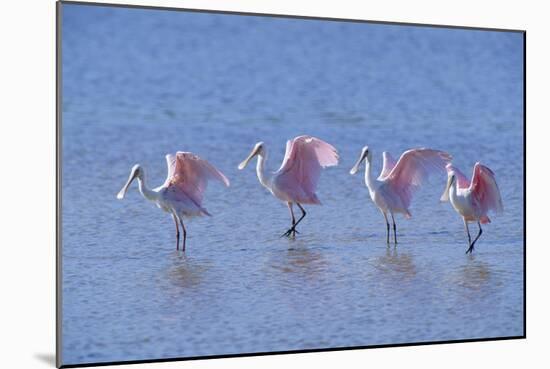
(299, 173)
(461, 179)
(189, 174)
(388, 164)
(413, 168)
(485, 190)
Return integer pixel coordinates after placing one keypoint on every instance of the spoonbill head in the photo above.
(258, 149)
(473, 200)
(182, 193)
(135, 172)
(365, 153)
(393, 190)
(296, 180)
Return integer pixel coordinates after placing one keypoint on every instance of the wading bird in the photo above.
(473, 200)
(392, 191)
(296, 180)
(182, 193)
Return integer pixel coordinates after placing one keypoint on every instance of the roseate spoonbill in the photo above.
(473, 200)
(392, 191)
(296, 180)
(183, 190)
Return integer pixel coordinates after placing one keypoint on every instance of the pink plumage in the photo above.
(485, 192)
(485, 189)
(473, 200)
(412, 169)
(392, 191)
(183, 190)
(188, 177)
(462, 180)
(299, 174)
(296, 180)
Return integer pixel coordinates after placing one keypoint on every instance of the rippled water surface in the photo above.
(139, 84)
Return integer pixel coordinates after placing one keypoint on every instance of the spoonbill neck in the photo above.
(453, 191)
(260, 170)
(145, 191)
(460, 200)
(369, 179)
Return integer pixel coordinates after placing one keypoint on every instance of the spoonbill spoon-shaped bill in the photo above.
(473, 200)
(394, 188)
(182, 193)
(296, 180)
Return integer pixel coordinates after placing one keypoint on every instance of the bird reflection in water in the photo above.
(186, 272)
(396, 263)
(474, 275)
(300, 261)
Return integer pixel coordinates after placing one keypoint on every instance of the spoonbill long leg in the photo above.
(177, 231)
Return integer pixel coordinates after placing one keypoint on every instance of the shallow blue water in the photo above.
(139, 84)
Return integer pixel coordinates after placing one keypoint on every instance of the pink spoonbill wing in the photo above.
(485, 190)
(299, 173)
(461, 180)
(189, 174)
(413, 168)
